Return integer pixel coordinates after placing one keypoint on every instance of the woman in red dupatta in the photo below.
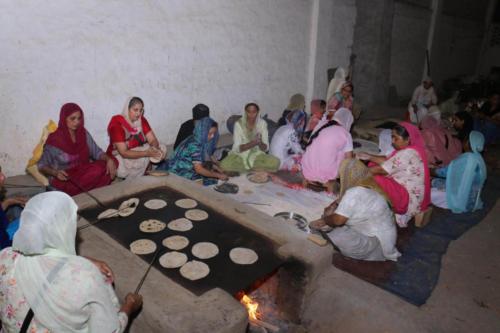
(404, 175)
(132, 141)
(71, 159)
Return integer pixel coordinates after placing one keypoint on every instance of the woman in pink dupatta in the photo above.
(404, 175)
(441, 146)
(326, 149)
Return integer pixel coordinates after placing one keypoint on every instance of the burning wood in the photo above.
(251, 306)
(253, 314)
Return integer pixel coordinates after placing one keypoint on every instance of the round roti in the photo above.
(155, 204)
(143, 246)
(258, 177)
(157, 173)
(196, 215)
(175, 242)
(181, 224)
(173, 259)
(128, 207)
(243, 256)
(205, 250)
(152, 226)
(108, 213)
(163, 150)
(194, 270)
(186, 203)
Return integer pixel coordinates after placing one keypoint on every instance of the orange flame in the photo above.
(251, 306)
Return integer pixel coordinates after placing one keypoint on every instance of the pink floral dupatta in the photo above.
(417, 143)
(396, 192)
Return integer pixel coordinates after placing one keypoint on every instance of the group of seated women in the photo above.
(41, 268)
(314, 146)
(400, 183)
(74, 163)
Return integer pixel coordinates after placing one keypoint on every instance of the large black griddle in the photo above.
(218, 229)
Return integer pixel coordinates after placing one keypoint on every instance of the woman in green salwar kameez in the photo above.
(250, 144)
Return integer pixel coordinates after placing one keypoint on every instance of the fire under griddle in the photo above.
(218, 229)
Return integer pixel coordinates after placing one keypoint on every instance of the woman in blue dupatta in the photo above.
(465, 177)
(188, 158)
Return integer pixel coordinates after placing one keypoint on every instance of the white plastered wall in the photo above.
(173, 54)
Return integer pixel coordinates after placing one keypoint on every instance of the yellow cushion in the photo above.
(32, 168)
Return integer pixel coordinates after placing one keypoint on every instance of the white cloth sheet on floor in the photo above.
(305, 202)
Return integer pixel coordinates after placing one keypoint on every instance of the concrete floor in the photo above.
(466, 299)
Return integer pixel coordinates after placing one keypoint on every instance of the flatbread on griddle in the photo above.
(186, 203)
(194, 270)
(128, 207)
(243, 256)
(143, 246)
(155, 204)
(196, 215)
(204, 250)
(108, 213)
(152, 226)
(181, 224)
(175, 242)
(173, 259)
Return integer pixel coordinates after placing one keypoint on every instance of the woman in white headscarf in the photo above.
(424, 96)
(42, 273)
(132, 140)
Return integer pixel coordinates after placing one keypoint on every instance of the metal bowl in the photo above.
(295, 219)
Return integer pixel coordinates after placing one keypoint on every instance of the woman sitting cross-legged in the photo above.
(404, 175)
(189, 157)
(41, 272)
(361, 218)
(71, 159)
(465, 177)
(285, 144)
(250, 143)
(132, 141)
